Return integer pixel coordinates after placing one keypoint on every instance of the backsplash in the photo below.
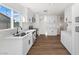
(6, 32)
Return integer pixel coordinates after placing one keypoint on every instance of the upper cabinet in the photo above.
(33, 20)
(68, 18)
(31, 16)
(68, 14)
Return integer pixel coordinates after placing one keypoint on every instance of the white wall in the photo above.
(36, 24)
(41, 24)
(44, 24)
(28, 14)
(59, 24)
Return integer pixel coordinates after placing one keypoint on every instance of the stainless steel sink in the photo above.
(21, 34)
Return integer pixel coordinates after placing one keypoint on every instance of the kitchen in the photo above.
(27, 29)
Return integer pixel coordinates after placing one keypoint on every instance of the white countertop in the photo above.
(67, 32)
(20, 37)
(30, 30)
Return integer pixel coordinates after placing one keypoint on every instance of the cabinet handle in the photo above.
(29, 42)
(52, 31)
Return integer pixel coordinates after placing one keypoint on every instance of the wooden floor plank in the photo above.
(49, 45)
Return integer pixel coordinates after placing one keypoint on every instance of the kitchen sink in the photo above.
(21, 34)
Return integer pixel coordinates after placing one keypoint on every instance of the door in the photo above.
(51, 25)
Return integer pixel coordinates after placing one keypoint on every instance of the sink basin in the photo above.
(21, 34)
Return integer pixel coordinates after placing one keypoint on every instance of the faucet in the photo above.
(20, 27)
(17, 29)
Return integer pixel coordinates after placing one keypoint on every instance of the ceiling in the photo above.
(49, 8)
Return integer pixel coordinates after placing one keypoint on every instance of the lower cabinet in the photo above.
(16, 45)
(27, 43)
(66, 40)
(34, 36)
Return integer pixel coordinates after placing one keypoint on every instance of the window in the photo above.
(9, 18)
(16, 19)
(5, 11)
(5, 14)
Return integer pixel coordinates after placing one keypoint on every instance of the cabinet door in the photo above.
(34, 36)
(30, 40)
(68, 42)
(75, 43)
(63, 38)
(25, 45)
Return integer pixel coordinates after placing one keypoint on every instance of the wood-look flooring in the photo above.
(49, 45)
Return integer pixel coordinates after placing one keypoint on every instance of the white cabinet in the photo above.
(30, 41)
(27, 43)
(11, 46)
(71, 41)
(63, 39)
(66, 40)
(68, 18)
(66, 36)
(34, 36)
(16, 45)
